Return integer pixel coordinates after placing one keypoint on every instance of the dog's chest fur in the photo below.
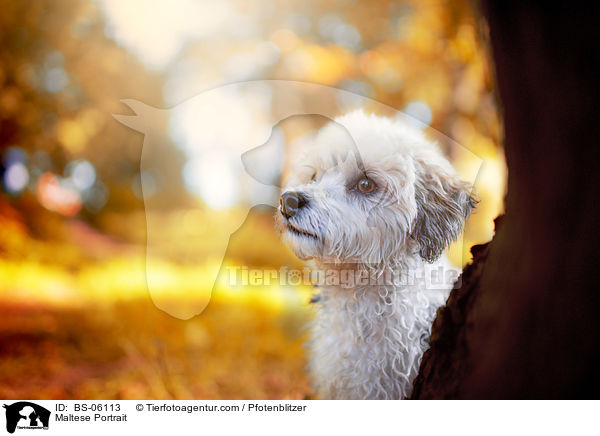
(367, 342)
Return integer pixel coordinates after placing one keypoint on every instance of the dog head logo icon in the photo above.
(26, 415)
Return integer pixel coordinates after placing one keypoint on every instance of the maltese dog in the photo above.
(373, 204)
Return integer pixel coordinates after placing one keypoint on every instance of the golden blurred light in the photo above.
(285, 39)
(325, 65)
(72, 135)
(372, 63)
(10, 99)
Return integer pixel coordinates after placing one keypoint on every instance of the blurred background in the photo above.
(77, 319)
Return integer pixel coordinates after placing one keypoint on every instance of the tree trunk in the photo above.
(525, 322)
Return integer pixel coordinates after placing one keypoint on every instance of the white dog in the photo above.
(374, 204)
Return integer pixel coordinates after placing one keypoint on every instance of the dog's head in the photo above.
(372, 190)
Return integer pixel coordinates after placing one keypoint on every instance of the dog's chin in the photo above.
(304, 244)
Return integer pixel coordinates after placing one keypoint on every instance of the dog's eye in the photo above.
(313, 177)
(365, 185)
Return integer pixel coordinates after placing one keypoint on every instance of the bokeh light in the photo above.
(420, 112)
(82, 173)
(16, 177)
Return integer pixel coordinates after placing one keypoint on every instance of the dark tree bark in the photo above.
(526, 321)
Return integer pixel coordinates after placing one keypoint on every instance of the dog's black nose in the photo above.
(290, 202)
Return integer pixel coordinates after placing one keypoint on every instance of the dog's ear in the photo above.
(444, 202)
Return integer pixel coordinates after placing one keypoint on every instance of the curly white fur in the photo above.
(367, 342)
